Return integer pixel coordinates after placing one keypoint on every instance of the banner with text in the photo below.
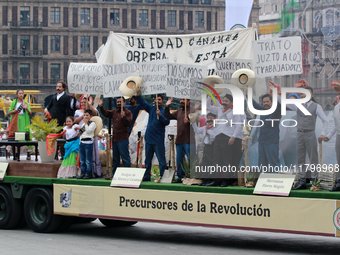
(226, 67)
(85, 78)
(280, 56)
(154, 76)
(114, 75)
(200, 49)
(179, 78)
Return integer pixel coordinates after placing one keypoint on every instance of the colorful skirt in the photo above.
(69, 168)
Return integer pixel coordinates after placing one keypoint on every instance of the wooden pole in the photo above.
(320, 153)
(157, 105)
(185, 108)
(121, 103)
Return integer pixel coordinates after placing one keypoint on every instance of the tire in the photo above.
(117, 223)
(10, 209)
(66, 223)
(38, 209)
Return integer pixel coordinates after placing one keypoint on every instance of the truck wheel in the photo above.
(38, 209)
(66, 223)
(10, 209)
(82, 220)
(117, 223)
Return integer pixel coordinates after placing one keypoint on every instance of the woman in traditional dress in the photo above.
(78, 118)
(20, 112)
(69, 168)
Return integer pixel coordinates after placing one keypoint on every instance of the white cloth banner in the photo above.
(237, 12)
(226, 67)
(201, 49)
(154, 76)
(280, 56)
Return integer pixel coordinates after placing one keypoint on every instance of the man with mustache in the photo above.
(122, 120)
(134, 108)
(155, 133)
(269, 134)
(59, 107)
(185, 140)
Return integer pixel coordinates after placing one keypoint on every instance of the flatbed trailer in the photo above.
(50, 204)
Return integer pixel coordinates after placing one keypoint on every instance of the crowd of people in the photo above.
(222, 143)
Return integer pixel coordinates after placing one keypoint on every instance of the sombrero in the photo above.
(212, 80)
(301, 83)
(99, 124)
(130, 85)
(243, 78)
(336, 86)
(193, 116)
(78, 96)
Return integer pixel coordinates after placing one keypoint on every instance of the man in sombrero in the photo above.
(336, 129)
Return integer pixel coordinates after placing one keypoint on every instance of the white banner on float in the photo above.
(179, 77)
(154, 76)
(85, 78)
(226, 67)
(114, 75)
(280, 56)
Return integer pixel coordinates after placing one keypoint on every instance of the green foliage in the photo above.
(188, 166)
(40, 128)
(317, 182)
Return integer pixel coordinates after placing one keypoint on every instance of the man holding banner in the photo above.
(122, 119)
(185, 140)
(134, 108)
(155, 133)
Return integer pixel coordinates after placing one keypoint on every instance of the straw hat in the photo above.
(99, 123)
(78, 96)
(130, 85)
(336, 86)
(212, 80)
(193, 116)
(243, 78)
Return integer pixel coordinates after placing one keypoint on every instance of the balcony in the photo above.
(28, 82)
(25, 24)
(25, 53)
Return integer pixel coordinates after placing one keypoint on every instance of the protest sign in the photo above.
(226, 67)
(85, 78)
(280, 56)
(154, 76)
(179, 76)
(114, 75)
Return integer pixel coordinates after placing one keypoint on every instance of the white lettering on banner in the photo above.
(154, 76)
(226, 67)
(277, 57)
(179, 76)
(85, 78)
(114, 75)
(187, 49)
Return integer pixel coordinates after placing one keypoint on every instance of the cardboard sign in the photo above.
(154, 76)
(280, 56)
(179, 79)
(274, 184)
(114, 75)
(3, 169)
(226, 67)
(128, 177)
(85, 78)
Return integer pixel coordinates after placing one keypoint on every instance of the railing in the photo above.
(26, 53)
(28, 82)
(25, 24)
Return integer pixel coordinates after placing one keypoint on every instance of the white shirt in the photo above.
(319, 112)
(232, 131)
(336, 128)
(60, 94)
(209, 134)
(89, 132)
(79, 113)
(71, 132)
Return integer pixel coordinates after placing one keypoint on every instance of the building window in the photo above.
(55, 73)
(24, 16)
(208, 2)
(166, 1)
(178, 1)
(55, 43)
(84, 44)
(25, 45)
(149, 1)
(171, 18)
(199, 19)
(55, 15)
(114, 17)
(24, 73)
(143, 17)
(193, 1)
(137, 1)
(85, 15)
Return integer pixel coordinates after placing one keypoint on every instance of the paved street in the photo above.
(147, 238)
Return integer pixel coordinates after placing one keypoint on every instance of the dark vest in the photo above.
(60, 109)
(307, 122)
